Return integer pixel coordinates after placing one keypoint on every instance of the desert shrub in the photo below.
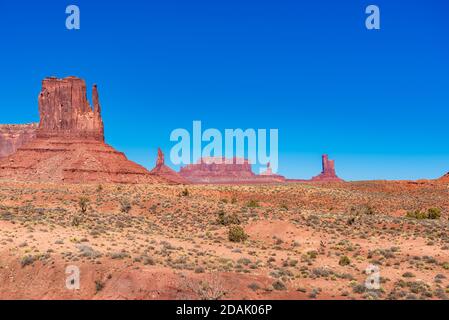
(417, 214)
(125, 206)
(211, 289)
(87, 251)
(279, 285)
(119, 255)
(199, 270)
(254, 286)
(432, 213)
(359, 288)
(364, 209)
(83, 202)
(27, 260)
(408, 275)
(185, 192)
(312, 254)
(344, 261)
(76, 220)
(99, 285)
(148, 261)
(237, 234)
(252, 204)
(226, 219)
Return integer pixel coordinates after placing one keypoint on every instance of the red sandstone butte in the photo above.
(162, 170)
(13, 136)
(219, 170)
(69, 144)
(328, 174)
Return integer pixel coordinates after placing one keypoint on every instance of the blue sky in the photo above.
(376, 101)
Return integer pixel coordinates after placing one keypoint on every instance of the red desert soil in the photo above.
(152, 241)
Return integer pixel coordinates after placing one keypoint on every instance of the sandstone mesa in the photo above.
(219, 170)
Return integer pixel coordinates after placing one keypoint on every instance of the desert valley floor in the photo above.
(305, 241)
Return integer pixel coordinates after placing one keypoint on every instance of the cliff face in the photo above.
(328, 173)
(69, 144)
(14, 136)
(65, 111)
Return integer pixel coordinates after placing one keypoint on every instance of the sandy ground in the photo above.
(304, 241)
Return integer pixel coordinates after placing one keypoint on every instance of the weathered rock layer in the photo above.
(13, 136)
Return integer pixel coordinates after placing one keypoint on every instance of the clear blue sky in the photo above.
(376, 101)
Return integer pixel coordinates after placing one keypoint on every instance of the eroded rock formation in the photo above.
(65, 111)
(13, 136)
(162, 170)
(226, 171)
(70, 146)
(328, 173)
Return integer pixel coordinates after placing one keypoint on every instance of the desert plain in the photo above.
(284, 241)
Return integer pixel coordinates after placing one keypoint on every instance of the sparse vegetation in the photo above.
(83, 202)
(226, 220)
(125, 206)
(252, 204)
(301, 236)
(432, 214)
(99, 285)
(344, 261)
(236, 234)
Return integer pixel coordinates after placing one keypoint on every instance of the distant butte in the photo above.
(162, 170)
(219, 170)
(328, 173)
(69, 144)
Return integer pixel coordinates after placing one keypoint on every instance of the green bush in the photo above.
(432, 213)
(344, 261)
(279, 285)
(27, 260)
(226, 219)
(83, 202)
(125, 206)
(364, 209)
(252, 204)
(237, 234)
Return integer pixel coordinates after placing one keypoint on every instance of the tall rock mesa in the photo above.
(65, 111)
